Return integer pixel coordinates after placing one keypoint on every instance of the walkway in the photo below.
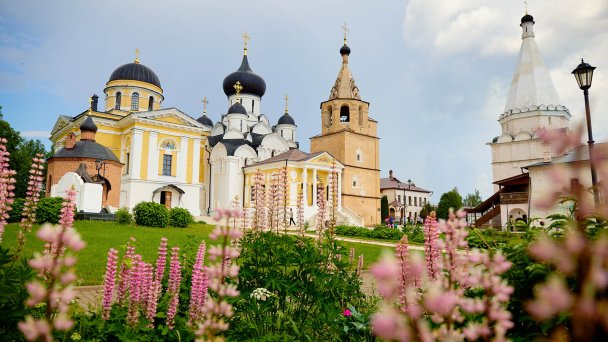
(367, 242)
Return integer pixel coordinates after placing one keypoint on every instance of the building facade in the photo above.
(405, 200)
(351, 136)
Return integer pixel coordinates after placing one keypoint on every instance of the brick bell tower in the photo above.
(350, 135)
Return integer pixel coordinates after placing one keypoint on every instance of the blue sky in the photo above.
(436, 72)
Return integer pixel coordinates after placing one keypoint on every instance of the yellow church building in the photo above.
(176, 160)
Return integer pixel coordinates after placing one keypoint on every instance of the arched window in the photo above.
(117, 104)
(150, 103)
(135, 101)
(344, 114)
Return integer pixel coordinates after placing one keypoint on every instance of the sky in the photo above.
(436, 72)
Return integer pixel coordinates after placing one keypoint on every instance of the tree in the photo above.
(384, 207)
(426, 209)
(472, 200)
(450, 199)
(23, 162)
(22, 151)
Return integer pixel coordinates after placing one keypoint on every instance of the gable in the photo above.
(172, 119)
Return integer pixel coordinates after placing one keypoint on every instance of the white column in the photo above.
(339, 189)
(211, 187)
(314, 187)
(196, 160)
(153, 156)
(136, 151)
(182, 159)
(305, 187)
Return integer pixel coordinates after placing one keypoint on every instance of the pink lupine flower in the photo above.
(7, 186)
(28, 214)
(359, 265)
(431, 250)
(109, 282)
(123, 278)
(552, 297)
(175, 277)
(198, 291)
(215, 309)
(56, 291)
(135, 279)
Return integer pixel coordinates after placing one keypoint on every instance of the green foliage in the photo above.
(151, 214)
(383, 208)
(491, 238)
(450, 199)
(124, 216)
(49, 209)
(309, 295)
(15, 214)
(379, 232)
(180, 217)
(13, 276)
(22, 151)
(426, 210)
(415, 233)
(473, 199)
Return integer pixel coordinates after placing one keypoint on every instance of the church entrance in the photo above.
(165, 199)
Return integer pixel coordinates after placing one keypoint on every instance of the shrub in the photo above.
(180, 217)
(124, 216)
(151, 214)
(49, 209)
(307, 299)
(15, 214)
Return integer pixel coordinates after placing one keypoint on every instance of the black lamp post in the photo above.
(584, 74)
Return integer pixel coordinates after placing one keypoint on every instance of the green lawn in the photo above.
(101, 236)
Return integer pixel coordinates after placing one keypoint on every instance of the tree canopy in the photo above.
(472, 199)
(450, 199)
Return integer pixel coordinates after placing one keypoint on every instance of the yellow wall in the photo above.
(144, 155)
(189, 161)
(127, 88)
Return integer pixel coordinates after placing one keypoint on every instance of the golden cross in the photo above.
(205, 101)
(245, 40)
(238, 87)
(345, 30)
(90, 104)
(137, 56)
(526, 4)
(286, 102)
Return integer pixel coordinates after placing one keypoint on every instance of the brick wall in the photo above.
(57, 167)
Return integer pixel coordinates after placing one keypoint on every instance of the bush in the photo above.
(15, 214)
(307, 298)
(49, 209)
(180, 217)
(379, 232)
(151, 214)
(124, 216)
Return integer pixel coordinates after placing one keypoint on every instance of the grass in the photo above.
(101, 236)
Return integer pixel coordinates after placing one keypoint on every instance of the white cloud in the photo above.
(35, 134)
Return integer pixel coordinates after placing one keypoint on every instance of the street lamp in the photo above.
(584, 74)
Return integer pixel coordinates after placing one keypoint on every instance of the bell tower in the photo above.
(350, 135)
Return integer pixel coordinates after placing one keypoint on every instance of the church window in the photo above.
(360, 116)
(328, 117)
(168, 145)
(549, 120)
(409, 200)
(167, 159)
(127, 163)
(354, 184)
(135, 101)
(344, 114)
(415, 201)
(252, 105)
(398, 198)
(150, 103)
(359, 155)
(117, 104)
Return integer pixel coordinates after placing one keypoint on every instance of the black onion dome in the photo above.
(345, 50)
(251, 82)
(527, 18)
(88, 125)
(286, 119)
(135, 72)
(205, 121)
(237, 108)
